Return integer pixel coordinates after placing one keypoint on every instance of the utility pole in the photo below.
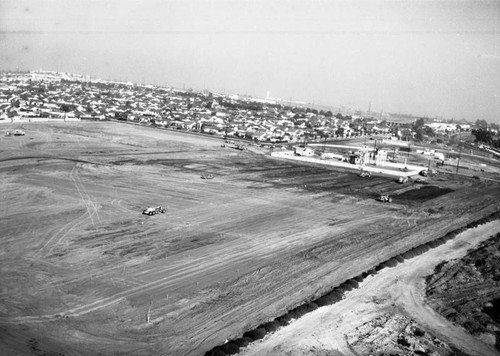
(458, 161)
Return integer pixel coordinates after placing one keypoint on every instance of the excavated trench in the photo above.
(232, 347)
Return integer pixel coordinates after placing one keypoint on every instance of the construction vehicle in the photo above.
(419, 180)
(365, 174)
(154, 210)
(207, 176)
(402, 179)
(423, 173)
(233, 145)
(385, 198)
(18, 133)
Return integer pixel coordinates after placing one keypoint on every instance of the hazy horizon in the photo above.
(432, 58)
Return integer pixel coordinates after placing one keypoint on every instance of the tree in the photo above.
(483, 135)
(340, 131)
(419, 134)
(481, 124)
(429, 131)
(119, 115)
(67, 107)
(418, 123)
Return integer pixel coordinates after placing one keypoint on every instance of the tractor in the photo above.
(153, 211)
(402, 179)
(385, 198)
(419, 180)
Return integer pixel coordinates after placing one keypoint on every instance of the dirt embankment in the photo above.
(467, 291)
(392, 332)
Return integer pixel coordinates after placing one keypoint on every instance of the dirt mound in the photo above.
(466, 291)
(395, 334)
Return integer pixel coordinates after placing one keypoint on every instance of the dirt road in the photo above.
(399, 290)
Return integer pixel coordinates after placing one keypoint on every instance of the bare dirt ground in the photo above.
(82, 271)
(467, 291)
(388, 315)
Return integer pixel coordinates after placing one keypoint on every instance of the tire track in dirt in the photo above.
(396, 288)
(59, 236)
(185, 269)
(85, 199)
(161, 284)
(88, 198)
(90, 210)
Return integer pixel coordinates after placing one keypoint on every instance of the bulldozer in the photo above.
(154, 210)
(385, 198)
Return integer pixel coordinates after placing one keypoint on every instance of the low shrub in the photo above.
(353, 283)
(242, 341)
(304, 309)
(345, 287)
(324, 300)
(419, 250)
(440, 241)
(359, 279)
(216, 351)
(230, 348)
(391, 263)
(271, 326)
(313, 306)
(256, 334)
(380, 266)
(284, 320)
(336, 296)
(408, 254)
(431, 244)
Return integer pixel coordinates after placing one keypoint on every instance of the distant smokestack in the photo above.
(267, 95)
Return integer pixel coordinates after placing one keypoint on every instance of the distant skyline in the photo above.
(426, 58)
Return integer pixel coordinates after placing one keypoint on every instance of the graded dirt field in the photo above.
(388, 314)
(83, 272)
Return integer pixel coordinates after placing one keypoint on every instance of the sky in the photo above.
(421, 57)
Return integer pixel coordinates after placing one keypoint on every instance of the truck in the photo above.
(154, 210)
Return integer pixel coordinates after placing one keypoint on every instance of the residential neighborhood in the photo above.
(43, 95)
